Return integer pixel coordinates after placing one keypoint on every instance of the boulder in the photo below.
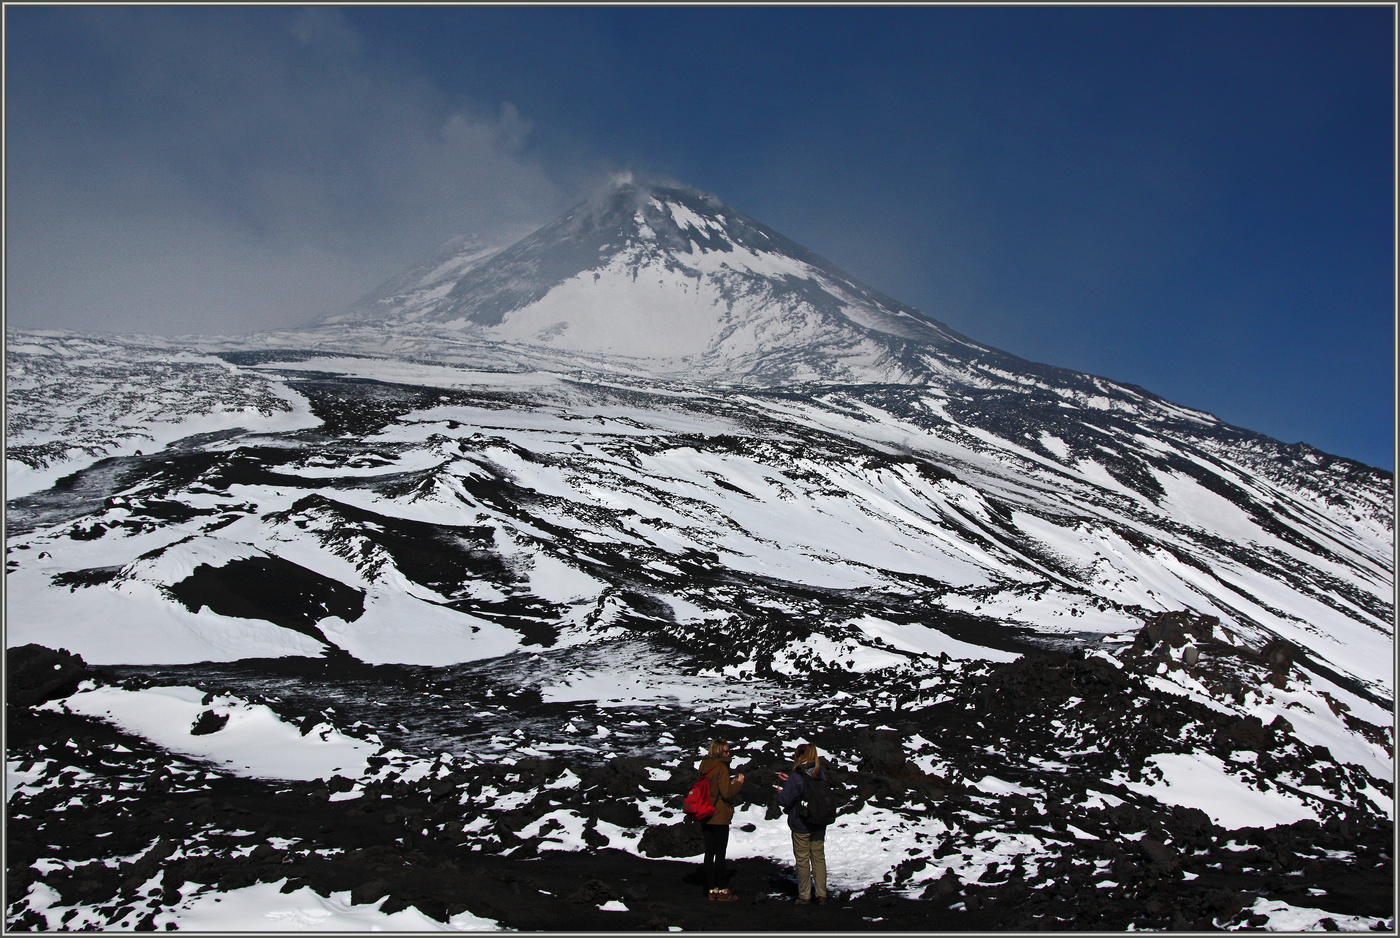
(208, 722)
(1191, 821)
(682, 839)
(623, 813)
(1278, 655)
(945, 887)
(35, 674)
(882, 754)
(366, 893)
(1160, 858)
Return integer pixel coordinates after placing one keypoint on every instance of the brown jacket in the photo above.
(721, 790)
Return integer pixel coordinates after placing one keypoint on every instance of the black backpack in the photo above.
(817, 803)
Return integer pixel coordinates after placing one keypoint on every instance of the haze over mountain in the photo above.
(655, 453)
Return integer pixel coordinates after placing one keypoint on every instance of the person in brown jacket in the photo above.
(723, 788)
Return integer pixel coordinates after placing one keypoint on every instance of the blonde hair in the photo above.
(806, 752)
(717, 747)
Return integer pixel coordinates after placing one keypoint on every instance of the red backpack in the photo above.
(697, 804)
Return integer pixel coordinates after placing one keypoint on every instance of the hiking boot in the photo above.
(801, 901)
(821, 900)
(722, 895)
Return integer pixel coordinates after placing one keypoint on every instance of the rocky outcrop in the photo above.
(34, 674)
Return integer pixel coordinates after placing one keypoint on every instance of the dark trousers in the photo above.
(716, 843)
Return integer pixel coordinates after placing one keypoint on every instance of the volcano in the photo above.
(678, 279)
(542, 518)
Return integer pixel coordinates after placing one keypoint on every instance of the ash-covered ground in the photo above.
(1103, 788)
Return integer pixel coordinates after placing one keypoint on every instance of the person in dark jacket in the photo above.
(723, 788)
(808, 840)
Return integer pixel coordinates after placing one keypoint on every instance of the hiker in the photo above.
(715, 829)
(808, 837)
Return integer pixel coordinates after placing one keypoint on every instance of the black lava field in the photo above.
(449, 842)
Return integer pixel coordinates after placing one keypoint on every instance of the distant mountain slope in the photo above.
(692, 332)
(674, 276)
(416, 293)
(633, 503)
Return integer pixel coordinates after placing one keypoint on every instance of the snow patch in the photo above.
(1200, 780)
(255, 742)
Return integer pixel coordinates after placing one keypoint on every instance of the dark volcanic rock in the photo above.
(1160, 858)
(272, 589)
(208, 722)
(1278, 654)
(34, 674)
(682, 839)
(1249, 733)
(372, 891)
(883, 753)
(593, 892)
(484, 836)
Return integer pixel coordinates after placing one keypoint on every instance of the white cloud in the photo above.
(223, 170)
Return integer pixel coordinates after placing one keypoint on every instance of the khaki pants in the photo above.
(811, 864)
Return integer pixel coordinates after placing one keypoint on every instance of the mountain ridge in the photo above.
(650, 225)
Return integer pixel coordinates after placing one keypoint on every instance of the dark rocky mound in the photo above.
(34, 674)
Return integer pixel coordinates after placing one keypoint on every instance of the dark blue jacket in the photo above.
(791, 796)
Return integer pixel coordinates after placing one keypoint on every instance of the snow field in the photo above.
(1283, 917)
(254, 742)
(1303, 704)
(259, 908)
(1316, 724)
(114, 624)
(1200, 781)
(147, 398)
(767, 515)
(399, 628)
(1188, 500)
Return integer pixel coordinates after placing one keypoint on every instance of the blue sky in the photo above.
(1197, 200)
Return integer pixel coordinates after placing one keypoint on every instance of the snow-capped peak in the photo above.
(671, 275)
